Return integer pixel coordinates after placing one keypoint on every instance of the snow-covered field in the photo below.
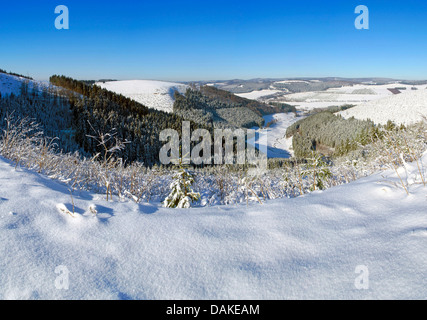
(363, 240)
(405, 108)
(306, 101)
(356, 95)
(153, 94)
(294, 81)
(255, 95)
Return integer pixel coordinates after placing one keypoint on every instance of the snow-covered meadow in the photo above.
(405, 108)
(356, 95)
(153, 94)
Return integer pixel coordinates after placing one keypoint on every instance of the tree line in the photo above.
(328, 130)
(15, 74)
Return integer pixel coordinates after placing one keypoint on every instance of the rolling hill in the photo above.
(405, 108)
(157, 95)
(12, 84)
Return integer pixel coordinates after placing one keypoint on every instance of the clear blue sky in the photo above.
(222, 39)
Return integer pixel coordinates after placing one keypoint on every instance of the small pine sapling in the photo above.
(318, 170)
(182, 194)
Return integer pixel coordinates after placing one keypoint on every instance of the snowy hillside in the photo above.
(405, 108)
(255, 95)
(356, 95)
(9, 84)
(12, 84)
(363, 240)
(153, 94)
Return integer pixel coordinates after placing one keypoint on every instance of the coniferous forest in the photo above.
(95, 110)
(329, 134)
(77, 113)
(222, 109)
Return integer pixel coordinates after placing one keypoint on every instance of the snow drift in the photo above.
(309, 247)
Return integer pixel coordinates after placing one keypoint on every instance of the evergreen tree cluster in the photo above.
(100, 110)
(283, 107)
(330, 130)
(50, 111)
(332, 109)
(257, 107)
(306, 86)
(181, 189)
(214, 111)
(222, 109)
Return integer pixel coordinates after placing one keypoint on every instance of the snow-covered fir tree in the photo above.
(318, 170)
(182, 194)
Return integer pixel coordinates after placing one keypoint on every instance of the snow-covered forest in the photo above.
(53, 131)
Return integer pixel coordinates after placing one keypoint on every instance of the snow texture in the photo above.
(405, 108)
(310, 247)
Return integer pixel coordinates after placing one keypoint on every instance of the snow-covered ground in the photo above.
(255, 95)
(9, 84)
(278, 146)
(12, 84)
(356, 95)
(405, 108)
(153, 94)
(363, 240)
(295, 81)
